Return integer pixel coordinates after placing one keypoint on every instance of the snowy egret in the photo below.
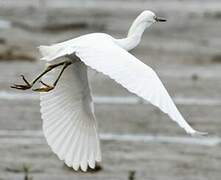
(69, 123)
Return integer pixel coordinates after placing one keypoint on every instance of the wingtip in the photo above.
(199, 133)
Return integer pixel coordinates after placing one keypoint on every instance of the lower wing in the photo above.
(69, 123)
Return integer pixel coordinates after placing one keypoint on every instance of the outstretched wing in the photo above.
(105, 56)
(68, 119)
(134, 75)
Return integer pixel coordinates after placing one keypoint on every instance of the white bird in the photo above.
(69, 123)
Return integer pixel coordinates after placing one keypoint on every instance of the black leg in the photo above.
(28, 85)
(47, 87)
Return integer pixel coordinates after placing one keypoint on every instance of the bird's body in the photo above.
(69, 123)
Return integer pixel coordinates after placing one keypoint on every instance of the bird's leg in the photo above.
(28, 85)
(48, 69)
(47, 87)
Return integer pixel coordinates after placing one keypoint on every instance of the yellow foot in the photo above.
(46, 88)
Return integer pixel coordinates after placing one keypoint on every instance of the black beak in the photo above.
(159, 19)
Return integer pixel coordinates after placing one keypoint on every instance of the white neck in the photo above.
(134, 34)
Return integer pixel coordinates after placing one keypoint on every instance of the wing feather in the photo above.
(68, 118)
(112, 60)
(134, 75)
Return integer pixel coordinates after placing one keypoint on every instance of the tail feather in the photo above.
(55, 51)
(47, 52)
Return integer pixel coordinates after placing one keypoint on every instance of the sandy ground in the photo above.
(186, 54)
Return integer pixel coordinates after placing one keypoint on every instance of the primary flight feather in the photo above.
(69, 123)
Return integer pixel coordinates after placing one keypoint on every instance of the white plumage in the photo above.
(69, 123)
(67, 111)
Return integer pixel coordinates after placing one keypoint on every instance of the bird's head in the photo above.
(150, 17)
(143, 21)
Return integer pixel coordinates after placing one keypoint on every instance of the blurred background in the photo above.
(138, 141)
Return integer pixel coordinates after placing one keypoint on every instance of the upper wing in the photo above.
(107, 57)
(134, 75)
(68, 119)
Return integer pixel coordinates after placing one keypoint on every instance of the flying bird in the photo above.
(67, 110)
